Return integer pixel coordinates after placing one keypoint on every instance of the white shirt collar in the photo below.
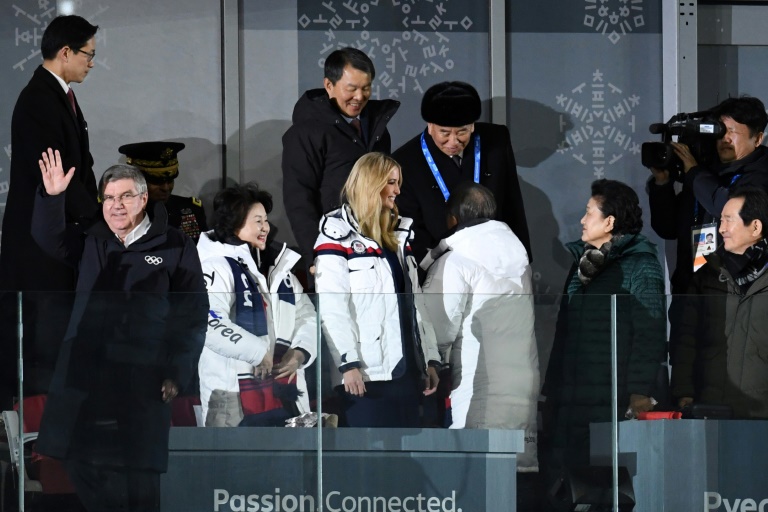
(61, 81)
(138, 232)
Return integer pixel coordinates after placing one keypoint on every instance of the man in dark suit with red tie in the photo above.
(46, 115)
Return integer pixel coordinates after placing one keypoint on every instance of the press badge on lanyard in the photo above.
(704, 239)
(704, 236)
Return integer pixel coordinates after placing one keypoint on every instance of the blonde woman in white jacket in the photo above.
(257, 308)
(384, 352)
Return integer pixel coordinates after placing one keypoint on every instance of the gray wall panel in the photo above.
(611, 18)
(157, 76)
(579, 111)
(162, 80)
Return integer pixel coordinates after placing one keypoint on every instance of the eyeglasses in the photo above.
(126, 198)
(88, 55)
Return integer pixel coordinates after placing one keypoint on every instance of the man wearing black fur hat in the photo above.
(158, 162)
(454, 148)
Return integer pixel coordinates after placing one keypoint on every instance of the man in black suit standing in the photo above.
(46, 115)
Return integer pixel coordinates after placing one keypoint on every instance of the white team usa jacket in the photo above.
(357, 301)
(229, 348)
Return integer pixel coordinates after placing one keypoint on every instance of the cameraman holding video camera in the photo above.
(693, 213)
(734, 129)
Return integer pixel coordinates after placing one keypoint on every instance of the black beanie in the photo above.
(451, 104)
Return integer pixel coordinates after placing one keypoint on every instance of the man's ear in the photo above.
(452, 221)
(327, 85)
(757, 229)
(64, 53)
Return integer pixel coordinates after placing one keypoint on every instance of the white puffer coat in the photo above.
(230, 349)
(478, 295)
(357, 301)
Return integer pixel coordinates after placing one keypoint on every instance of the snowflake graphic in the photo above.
(614, 18)
(604, 123)
(421, 49)
(33, 17)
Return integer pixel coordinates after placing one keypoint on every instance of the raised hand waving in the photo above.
(54, 179)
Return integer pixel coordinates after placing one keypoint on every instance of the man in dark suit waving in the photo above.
(46, 114)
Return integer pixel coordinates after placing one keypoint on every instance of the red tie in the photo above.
(356, 125)
(71, 96)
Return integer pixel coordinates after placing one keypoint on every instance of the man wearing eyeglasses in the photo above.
(47, 114)
(133, 341)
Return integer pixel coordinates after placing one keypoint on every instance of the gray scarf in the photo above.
(593, 261)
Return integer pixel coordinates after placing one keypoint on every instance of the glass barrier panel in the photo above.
(521, 415)
(437, 398)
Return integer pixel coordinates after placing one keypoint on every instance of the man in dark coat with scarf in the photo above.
(454, 148)
(332, 128)
(720, 353)
(46, 114)
(133, 340)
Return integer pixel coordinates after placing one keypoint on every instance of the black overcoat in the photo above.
(421, 199)
(319, 150)
(42, 119)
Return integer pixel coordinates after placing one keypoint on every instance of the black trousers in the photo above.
(103, 488)
(392, 403)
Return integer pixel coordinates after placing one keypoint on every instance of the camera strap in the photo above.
(436, 172)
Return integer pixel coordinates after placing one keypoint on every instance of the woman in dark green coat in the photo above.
(612, 258)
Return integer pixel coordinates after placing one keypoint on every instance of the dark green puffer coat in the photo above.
(578, 381)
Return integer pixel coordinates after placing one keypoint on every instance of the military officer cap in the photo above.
(451, 104)
(156, 159)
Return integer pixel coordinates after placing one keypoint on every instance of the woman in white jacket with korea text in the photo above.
(262, 330)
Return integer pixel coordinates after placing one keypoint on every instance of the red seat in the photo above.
(183, 411)
(51, 473)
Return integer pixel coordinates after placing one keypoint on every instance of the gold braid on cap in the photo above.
(153, 166)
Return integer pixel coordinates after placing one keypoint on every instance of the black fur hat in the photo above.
(451, 104)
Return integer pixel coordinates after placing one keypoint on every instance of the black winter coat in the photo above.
(319, 151)
(139, 318)
(699, 348)
(421, 199)
(43, 119)
(726, 364)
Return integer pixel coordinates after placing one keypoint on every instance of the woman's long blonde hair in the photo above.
(362, 191)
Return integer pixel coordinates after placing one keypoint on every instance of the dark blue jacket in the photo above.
(139, 318)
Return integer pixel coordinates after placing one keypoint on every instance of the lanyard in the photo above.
(436, 172)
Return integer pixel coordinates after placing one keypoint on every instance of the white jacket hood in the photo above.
(489, 245)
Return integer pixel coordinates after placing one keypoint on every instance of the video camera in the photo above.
(699, 131)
